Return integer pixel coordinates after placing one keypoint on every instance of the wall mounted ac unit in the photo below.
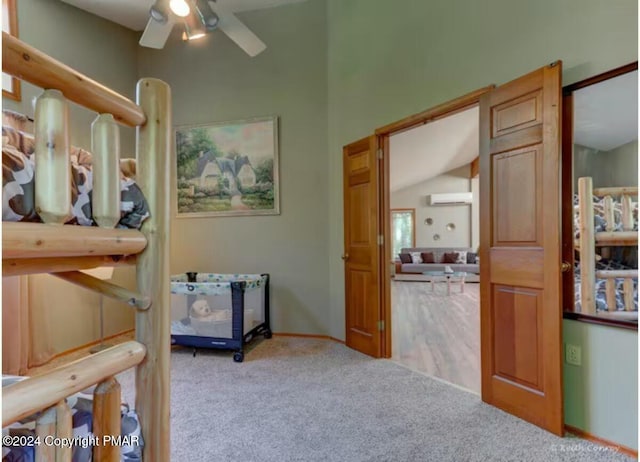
(451, 198)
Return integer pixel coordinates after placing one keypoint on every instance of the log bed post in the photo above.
(51, 138)
(627, 213)
(64, 430)
(46, 427)
(106, 419)
(587, 246)
(609, 217)
(627, 288)
(610, 287)
(153, 153)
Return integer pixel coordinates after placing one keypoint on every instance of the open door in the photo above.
(361, 246)
(520, 248)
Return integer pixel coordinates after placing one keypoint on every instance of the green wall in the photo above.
(107, 53)
(388, 60)
(391, 59)
(102, 50)
(601, 396)
(213, 80)
(621, 167)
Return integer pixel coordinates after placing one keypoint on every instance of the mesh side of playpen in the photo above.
(204, 307)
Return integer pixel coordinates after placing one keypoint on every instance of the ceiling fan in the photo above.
(202, 16)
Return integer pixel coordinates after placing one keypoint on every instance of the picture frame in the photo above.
(226, 169)
(10, 84)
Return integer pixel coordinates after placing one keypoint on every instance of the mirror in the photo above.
(602, 220)
(605, 132)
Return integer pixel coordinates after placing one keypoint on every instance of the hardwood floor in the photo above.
(436, 333)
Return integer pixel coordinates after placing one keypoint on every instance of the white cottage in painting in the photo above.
(237, 172)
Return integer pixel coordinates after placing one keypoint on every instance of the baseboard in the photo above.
(601, 441)
(90, 344)
(317, 336)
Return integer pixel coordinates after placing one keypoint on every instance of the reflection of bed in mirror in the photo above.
(605, 196)
(606, 231)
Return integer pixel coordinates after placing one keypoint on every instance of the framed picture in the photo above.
(228, 168)
(10, 85)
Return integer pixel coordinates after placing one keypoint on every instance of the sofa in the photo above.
(458, 258)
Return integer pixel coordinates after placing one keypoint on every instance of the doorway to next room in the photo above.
(434, 217)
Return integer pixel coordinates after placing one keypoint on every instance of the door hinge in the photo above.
(380, 153)
(380, 239)
(381, 326)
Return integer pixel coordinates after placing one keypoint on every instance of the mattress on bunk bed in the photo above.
(601, 293)
(81, 405)
(18, 197)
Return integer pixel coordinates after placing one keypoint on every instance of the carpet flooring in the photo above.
(299, 399)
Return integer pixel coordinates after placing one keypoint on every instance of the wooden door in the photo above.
(520, 248)
(361, 246)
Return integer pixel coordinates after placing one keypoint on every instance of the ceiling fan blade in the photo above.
(156, 34)
(241, 34)
(238, 32)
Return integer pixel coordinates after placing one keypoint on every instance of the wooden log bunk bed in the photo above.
(63, 250)
(589, 240)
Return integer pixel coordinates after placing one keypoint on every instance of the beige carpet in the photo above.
(316, 400)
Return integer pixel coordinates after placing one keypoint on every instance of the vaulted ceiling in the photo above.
(134, 14)
(430, 150)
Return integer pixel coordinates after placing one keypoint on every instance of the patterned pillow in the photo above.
(416, 257)
(471, 257)
(405, 258)
(462, 257)
(18, 185)
(455, 257)
(427, 257)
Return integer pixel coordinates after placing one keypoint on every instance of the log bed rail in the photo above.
(27, 63)
(63, 250)
(589, 240)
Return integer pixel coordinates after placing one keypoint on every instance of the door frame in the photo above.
(384, 133)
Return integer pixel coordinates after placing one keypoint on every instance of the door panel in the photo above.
(517, 114)
(516, 197)
(520, 242)
(517, 314)
(362, 251)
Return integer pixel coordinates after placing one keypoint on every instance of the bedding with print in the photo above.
(81, 405)
(600, 287)
(599, 220)
(18, 196)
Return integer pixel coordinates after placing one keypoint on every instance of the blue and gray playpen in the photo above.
(222, 311)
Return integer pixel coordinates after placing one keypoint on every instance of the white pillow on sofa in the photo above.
(416, 257)
(462, 257)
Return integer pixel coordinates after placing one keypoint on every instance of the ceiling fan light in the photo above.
(180, 7)
(159, 11)
(208, 17)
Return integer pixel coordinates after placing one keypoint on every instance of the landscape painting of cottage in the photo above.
(228, 169)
